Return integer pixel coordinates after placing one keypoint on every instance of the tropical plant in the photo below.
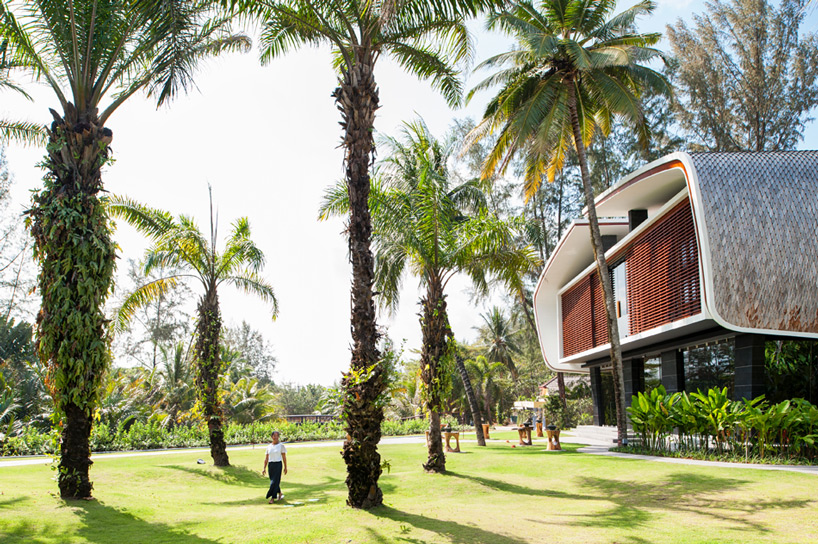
(10, 424)
(497, 338)
(426, 221)
(247, 401)
(487, 379)
(175, 392)
(123, 398)
(574, 70)
(88, 52)
(179, 243)
(471, 397)
(652, 416)
(710, 418)
(427, 39)
(157, 325)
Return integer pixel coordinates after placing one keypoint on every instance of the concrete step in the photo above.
(605, 433)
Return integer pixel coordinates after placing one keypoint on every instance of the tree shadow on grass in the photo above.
(100, 524)
(232, 475)
(456, 532)
(375, 536)
(679, 494)
(506, 487)
(5, 503)
(633, 503)
(293, 491)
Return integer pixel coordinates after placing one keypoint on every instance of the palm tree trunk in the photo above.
(357, 99)
(561, 390)
(604, 274)
(72, 243)
(208, 371)
(473, 406)
(435, 329)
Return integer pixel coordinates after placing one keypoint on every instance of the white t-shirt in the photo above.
(274, 452)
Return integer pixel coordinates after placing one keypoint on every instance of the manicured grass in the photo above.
(498, 495)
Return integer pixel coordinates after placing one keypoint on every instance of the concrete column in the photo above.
(673, 371)
(749, 364)
(634, 370)
(597, 396)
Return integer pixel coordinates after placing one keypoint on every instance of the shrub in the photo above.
(704, 419)
(154, 435)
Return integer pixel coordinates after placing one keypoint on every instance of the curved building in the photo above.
(703, 248)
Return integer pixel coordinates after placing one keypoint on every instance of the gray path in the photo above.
(603, 450)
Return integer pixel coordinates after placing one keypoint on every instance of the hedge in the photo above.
(152, 435)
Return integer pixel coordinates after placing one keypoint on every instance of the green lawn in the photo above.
(498, 495)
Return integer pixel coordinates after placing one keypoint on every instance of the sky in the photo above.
(266, 138)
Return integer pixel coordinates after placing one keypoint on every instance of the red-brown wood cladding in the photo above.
(663, 284)
(583, 316)
(663, 272)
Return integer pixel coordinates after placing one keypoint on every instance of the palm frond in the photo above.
(22, 133)
(139, 298)
(253, 284)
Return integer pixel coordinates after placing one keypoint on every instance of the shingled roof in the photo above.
(759, 214)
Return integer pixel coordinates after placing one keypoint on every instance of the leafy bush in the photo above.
(578, 413)
(711, 421)
(29, 441)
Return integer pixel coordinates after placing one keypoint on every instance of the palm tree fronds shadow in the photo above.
(457, 533)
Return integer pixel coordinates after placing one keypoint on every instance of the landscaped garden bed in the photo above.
(711, 426)
(152, 435)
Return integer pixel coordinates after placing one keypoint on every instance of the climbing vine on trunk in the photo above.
(73, 246)
(208, 374)
(436, 362)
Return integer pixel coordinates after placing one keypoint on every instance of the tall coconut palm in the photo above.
(427, 39)
(575, 69)
(178, 244)
(497, 337)
(94, 55)
(426, 221)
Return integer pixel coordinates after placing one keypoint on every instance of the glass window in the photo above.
(653, 373)
(710, 366)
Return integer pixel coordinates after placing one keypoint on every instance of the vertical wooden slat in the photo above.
(662, 282)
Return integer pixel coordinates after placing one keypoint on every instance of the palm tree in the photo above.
(471, 398)
(497, 337)
(175, 391)
(94, 55)
(246, 401)
(424, 221)
(427, 39)
(575, 69)
(180, 243)
(485, 375)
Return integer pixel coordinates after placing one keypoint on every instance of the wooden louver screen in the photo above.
(663, 272)
(583, 316)
(662, 282)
